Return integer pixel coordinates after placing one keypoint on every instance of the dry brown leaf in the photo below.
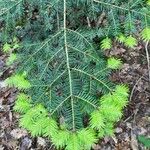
(41, 141)
(18, 133)
(1, 147)
(117, 51)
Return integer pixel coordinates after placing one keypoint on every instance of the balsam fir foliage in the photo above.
(62, 74)
(39, 121)
(18, 81)
(106, 44)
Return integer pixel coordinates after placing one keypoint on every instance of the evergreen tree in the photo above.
(62, 70)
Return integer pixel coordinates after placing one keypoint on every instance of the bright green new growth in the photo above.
(18, 81)
(130, 42)
(106, 43)
(11, 59)
(97, 120)
(39, 122)
(121, 38)
(6, 48)
(114, 63)
(145, 34)
(22, 104)
(148, 2)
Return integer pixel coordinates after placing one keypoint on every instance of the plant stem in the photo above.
(147, 56)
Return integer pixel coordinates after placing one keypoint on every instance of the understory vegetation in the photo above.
(62, 75)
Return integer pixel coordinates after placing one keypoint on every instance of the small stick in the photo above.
(147, 56)
(134, 87)
(100, 20)
(88, 21)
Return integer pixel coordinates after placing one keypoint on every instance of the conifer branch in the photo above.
(93, 77)
(87, 101)
(73, 31)
(4, 11)
(68, 67)
(121, 8)
(52, 82)
(85, 53)
(51, 58)
(60, 105)
(42, 46)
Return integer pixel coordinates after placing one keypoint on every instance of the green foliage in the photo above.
(144, 140)
(148, 2)
(145, 34)
(121, 38)
(15, 43)
(32, 117)
(20, 17)
(117, 99)
(109, 129)
(18, 81)
(37, 128)
(6, 48)
(64, 137)
(108, 112)
(36, 120)
(51, 128)
(114, 101)
(11, 59)
(106, 43)
(122, 90)
(22, 104)
(73, 143)
(114, 63)
(87, 137)
(66, 71)
(97, 120)
(130, 42)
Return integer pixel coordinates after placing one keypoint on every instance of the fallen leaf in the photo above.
(41, 142)
(119, 130)
(117, 51)
(18, 133)
(1, 147)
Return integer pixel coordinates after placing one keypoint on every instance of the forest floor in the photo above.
(136, 120)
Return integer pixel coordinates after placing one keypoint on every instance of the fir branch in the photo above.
(4, 11)
(93, 77)
(121, 8)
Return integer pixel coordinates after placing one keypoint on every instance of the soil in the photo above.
(136, 120)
